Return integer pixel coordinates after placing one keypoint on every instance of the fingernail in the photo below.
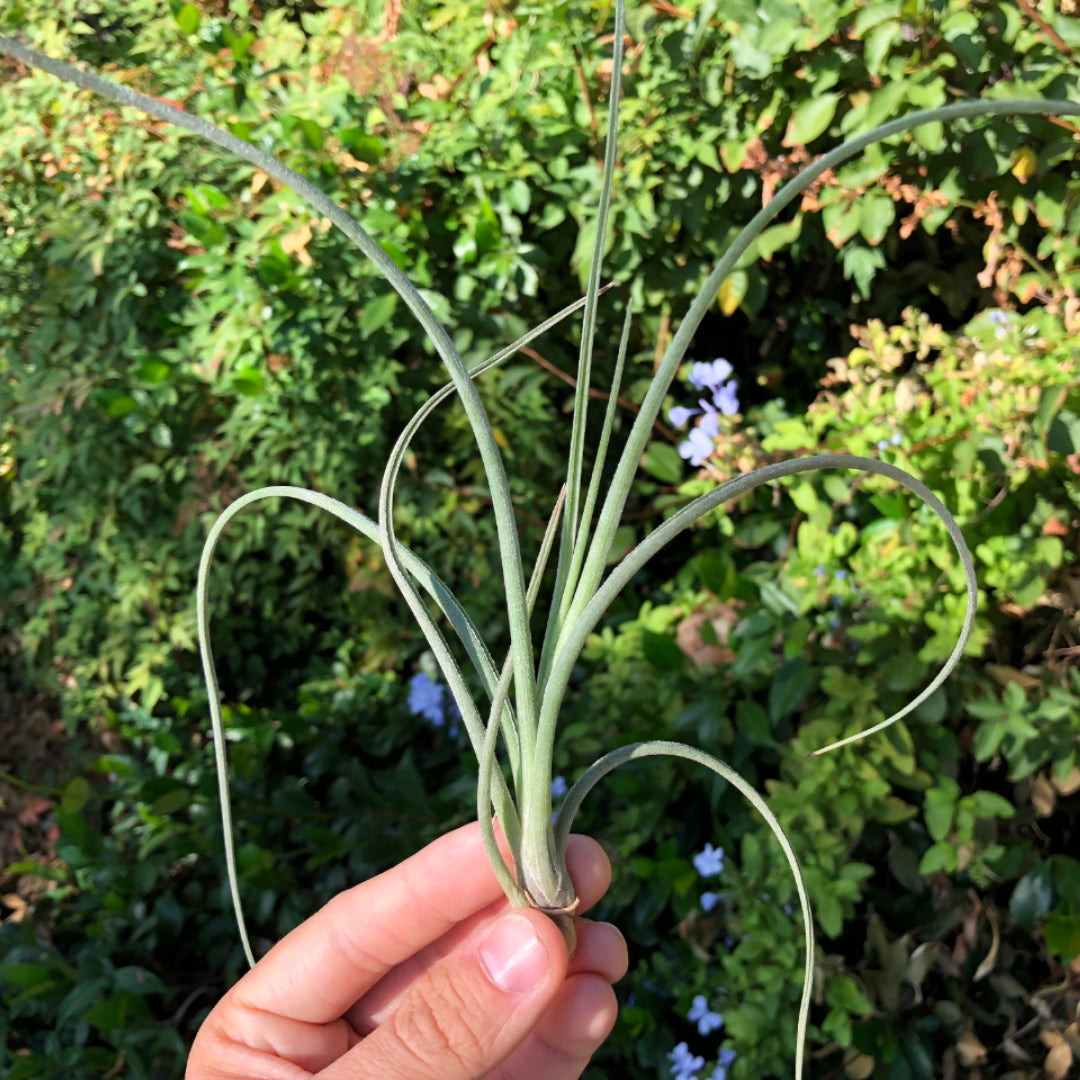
(513, 955)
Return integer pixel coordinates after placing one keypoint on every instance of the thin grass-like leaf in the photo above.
(578, 632)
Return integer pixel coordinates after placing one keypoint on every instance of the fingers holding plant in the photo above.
(425, 971)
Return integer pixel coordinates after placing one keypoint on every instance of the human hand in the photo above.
(424, 972)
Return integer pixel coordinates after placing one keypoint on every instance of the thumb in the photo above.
(464, 1016)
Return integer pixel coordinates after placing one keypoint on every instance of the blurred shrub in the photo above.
(174, 330)
(811, 611)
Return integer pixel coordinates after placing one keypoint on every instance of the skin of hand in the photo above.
(424, 972)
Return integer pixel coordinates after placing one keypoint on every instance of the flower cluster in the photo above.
(1001, 324)
(684, 1065)
(714, 377)
(703, 1016)
(430, 700)
(709, 862)
(687, 1066)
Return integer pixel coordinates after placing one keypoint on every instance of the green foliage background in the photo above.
(175, 330)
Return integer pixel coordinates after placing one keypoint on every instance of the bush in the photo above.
(174, 330)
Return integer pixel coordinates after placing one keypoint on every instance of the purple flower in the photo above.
(714, 377)
(710, 424)
(559, 787)
(726, 398)
(727, 1056)
(427, 699)
(704, 374)
(709, 900)
(684, 1065)
(709, 862)
(703, 1016)
(696, 448)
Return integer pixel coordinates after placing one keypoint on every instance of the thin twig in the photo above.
(569, 379)
(1045, 27)
(585, 92)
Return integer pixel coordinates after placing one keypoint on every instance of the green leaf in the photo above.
(172, 801)
(1063, 436)
(777, 237)
(152, 371)
(363, 146)
(301, 132)
(518, 196)
(717, 573)
(188, 18)
(661, 651)
(25, 976)
(789, 688)
(861, 264)
(465, 247)
(988, 804)
(732, 291)
(662, 461)
(938, 809)
(1032, 897)
(76, 794)
(1061, 932)
(877, 214)
(377, 313)
(938, 857)
(811, 120)
(752, 722)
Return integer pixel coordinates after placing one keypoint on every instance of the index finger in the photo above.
(326, 964)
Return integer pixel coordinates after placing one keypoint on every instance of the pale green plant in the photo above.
(527, 723)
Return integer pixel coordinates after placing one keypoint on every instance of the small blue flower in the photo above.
(684, 1065)
(726, 398)
(819, 570)
(714, 377)
(709, 862)
(841, 575)
(426, 699)
(703, 1016)
(559, 787)
(896, 438)
(697, 448)
(704, 374)
(1001, 324)
(727, 1057)
(709, 900)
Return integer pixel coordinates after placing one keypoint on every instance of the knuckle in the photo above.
(445, 1025)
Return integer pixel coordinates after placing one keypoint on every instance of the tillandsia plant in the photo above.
(522, 697)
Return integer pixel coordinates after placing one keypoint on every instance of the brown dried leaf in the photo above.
(16, 905)
(970, 1051)
(296, 242)
(1059, 1061)
(859, 1067)
(990, 959)
(1070, 785)
(1043, 796)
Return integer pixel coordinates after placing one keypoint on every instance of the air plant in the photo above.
(524, 695)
